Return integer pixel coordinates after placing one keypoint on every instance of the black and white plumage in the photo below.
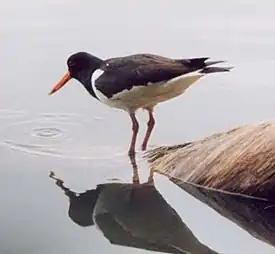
(136, 81)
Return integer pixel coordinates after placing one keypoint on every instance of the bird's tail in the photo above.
(208, 63)
(207, 70)
(205, 66)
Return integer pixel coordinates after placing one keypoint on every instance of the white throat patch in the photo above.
(97, 73)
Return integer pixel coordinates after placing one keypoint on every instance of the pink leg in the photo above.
(135, 178)
(150, 127)
(135, 128)
(151, 178)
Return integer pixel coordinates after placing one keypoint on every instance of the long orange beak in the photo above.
(61, 83)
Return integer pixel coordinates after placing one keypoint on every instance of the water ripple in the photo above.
(10, 114)
(49, 132)
(60, 135)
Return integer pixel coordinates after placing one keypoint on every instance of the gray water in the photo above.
(85, 143)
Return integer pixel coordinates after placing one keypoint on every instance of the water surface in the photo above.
(85, 143)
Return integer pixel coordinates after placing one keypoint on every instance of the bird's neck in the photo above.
(88, 86)
(86, 77)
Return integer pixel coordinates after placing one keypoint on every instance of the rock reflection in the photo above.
(254, 215)
(133, 215)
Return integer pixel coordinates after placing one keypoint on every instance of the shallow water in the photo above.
(84, 143)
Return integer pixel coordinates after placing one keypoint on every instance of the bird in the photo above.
(136, 81)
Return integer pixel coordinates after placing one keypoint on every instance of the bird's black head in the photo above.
(81, 66)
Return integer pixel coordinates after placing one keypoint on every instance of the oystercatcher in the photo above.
(136, 81)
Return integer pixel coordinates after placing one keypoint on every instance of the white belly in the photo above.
(150, 95)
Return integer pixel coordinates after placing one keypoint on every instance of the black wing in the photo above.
(141, 69)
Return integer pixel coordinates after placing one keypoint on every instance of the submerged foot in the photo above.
(143, 147)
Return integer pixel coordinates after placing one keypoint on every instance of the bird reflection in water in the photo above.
(134, 215)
